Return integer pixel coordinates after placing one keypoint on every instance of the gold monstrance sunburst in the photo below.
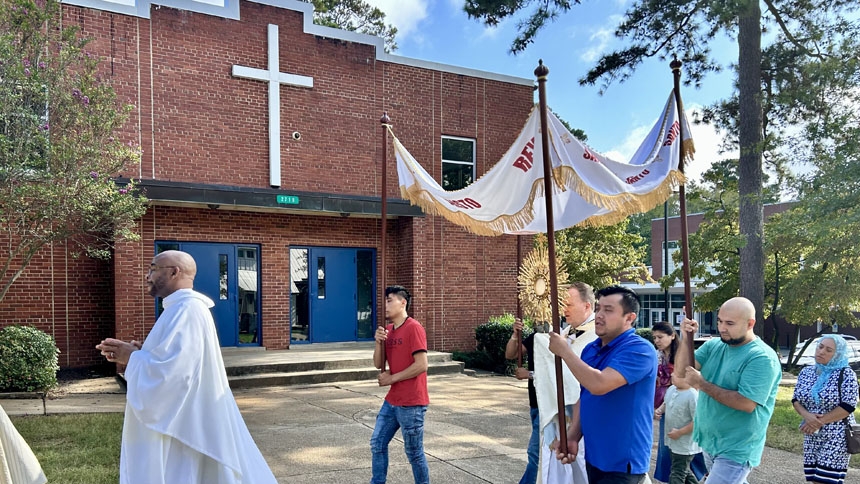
(534, 287)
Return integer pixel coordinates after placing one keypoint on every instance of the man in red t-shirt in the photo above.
(403, 343)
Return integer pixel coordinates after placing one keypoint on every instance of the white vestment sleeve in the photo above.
(18, 464)
(552, 470)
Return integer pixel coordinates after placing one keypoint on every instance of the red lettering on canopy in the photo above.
(525, 161)
(674, 131)
(633, 179)
(465, 203)
(588, 155)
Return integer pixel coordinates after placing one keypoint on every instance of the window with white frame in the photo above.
(669, 255)
(458, 162)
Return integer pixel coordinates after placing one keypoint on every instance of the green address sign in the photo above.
(288, 199)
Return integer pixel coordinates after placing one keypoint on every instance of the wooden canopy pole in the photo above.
(384, 121)
(541, 72)
(675, 65)
(519, 304)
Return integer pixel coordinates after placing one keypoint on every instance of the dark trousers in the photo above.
(597, 476)
(681, 473)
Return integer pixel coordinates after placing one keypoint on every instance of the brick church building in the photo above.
(261, 143)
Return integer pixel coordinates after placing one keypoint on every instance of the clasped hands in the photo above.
(811, 423)
(118, 351)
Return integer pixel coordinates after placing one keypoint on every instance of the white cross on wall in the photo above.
(275, 79)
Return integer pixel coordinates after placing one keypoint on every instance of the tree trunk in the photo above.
(750, 168)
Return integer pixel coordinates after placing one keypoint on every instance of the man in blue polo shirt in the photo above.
(618, 374)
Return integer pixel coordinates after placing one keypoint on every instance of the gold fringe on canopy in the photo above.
(623, 204)
(498, 226)
(620, 205)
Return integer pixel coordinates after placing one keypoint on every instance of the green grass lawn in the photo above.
(84, 448)
(783, 433)
(75, 448)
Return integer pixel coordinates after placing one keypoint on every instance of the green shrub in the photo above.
(28, 360)
(476, 360)
(492, 337)
(646, 333)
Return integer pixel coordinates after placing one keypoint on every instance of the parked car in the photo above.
(808, 356)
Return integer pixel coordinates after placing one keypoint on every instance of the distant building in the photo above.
(653, 297)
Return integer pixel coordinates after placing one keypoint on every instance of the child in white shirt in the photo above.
(679, 405)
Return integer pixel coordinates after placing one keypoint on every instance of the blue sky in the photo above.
(439, 31)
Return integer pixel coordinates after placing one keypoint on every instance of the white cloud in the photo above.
(624, 151)
(403, 14)
(707, 141)
(599, 40)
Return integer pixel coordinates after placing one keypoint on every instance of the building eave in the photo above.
(249, 199)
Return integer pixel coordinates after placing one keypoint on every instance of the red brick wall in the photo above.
(196, 123)
(66, 295)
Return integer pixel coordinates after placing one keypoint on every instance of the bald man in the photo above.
(181, 420)
(737, 391)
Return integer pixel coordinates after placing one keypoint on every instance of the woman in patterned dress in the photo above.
(816, 399)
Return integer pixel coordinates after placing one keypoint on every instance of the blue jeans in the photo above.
(530, 475)
(410, 421)
(726, 471)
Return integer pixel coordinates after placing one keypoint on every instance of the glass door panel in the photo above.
(249, 290)
(299, 295)
(365, 279)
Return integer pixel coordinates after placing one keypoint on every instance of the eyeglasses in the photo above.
(154, 268)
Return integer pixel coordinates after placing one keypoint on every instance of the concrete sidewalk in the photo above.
(476, 430)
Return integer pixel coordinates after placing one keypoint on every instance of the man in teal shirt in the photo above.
(737, 391)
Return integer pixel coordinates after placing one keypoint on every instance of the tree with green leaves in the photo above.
(806, 32)
(811, 115)
(640, 223)
(819, 235)
(356, 16)
(716, 246)
(811, 253)
(601, 255)
(59, 143)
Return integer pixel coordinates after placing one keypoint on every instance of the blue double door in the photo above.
(228, 274)
(331, 294)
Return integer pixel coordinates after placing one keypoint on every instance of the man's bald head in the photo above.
(736, 320)
(180, 259)
(740, 306)
(170, 271)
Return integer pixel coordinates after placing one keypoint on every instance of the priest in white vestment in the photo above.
(579, 314)
(181, 424)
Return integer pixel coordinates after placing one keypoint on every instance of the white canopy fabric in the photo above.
(588, 188)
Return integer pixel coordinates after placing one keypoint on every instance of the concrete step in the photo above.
(316, 364)
(350, 372)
